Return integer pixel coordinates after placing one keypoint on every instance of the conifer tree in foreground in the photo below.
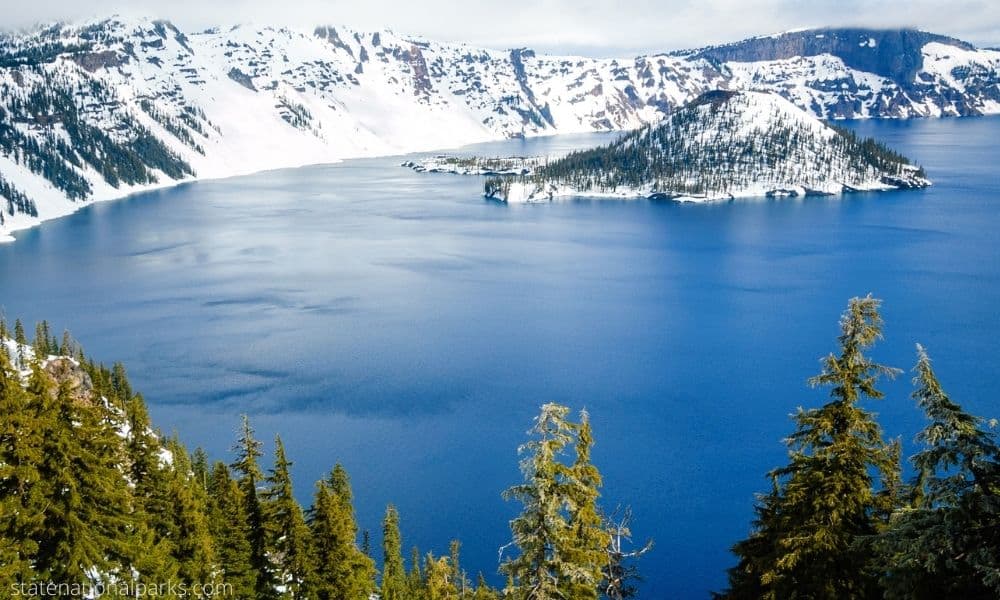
(194, 552)
(228, 524)
(484, 591)
(806, 537)
(415, 588)
(439, 585)
(540, 529)
(587, 539)
(341, 570)
(946, 544)
(393, 571)
(21, 499)
(22, 343)
(290, 541)
(87, 520)
(559, 533)
(248, 451)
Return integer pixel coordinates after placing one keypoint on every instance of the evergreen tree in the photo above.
(438, 573)
(21, 499)
(290, 535)
(342, 571)
(193, 552)
(541, 530)
(121, 390)
(200, 468)
(484, 591)
(805, 544)
(587, 540)
(21, 341)
(66, 347)
(947, 543)
(87, 519)
(393, 571)
(41, 342)
(248, 451)
(228, 524)
(415, 584)
(458, 577)
(157, 536)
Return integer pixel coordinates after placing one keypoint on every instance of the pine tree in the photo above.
(248, 451)
(393, 571)
(947, 543)
(342, 571)
(21, 499)
(228, 525)
(21, 341)
(541, 530)
(366, 543)
(157, 535)
(438, 574)
(200, 468)
(806, 541)
(587, 539)
(484, 591)
(87, 520)
(66, 347)
(194, 552)
(120, 387)
(290, 535)
(41, 342)
(415, 585)
(458, 578)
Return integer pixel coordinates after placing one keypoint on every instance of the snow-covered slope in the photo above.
(724, 144)
(102, 109)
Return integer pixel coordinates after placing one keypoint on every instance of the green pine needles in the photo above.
(92, 495)
(839, 523)
(564, 544)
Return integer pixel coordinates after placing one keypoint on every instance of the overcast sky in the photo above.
(583, 26)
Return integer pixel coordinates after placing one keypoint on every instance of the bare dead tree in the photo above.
(620, 572)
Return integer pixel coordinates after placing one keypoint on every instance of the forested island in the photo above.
(96, 503)
(723, 144)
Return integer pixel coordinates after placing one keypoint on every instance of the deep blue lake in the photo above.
(402, 325)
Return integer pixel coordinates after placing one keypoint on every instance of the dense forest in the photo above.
(95, 503)
(722, 142)
(93, 498)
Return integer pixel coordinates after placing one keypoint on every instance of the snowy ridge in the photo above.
(723, 145)
(102, 109)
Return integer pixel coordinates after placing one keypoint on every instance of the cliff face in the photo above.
(894, 54)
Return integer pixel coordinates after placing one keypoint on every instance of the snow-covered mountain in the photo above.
(724, 144)
(105, 108)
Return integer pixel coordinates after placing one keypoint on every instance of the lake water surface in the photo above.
(399, 323)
